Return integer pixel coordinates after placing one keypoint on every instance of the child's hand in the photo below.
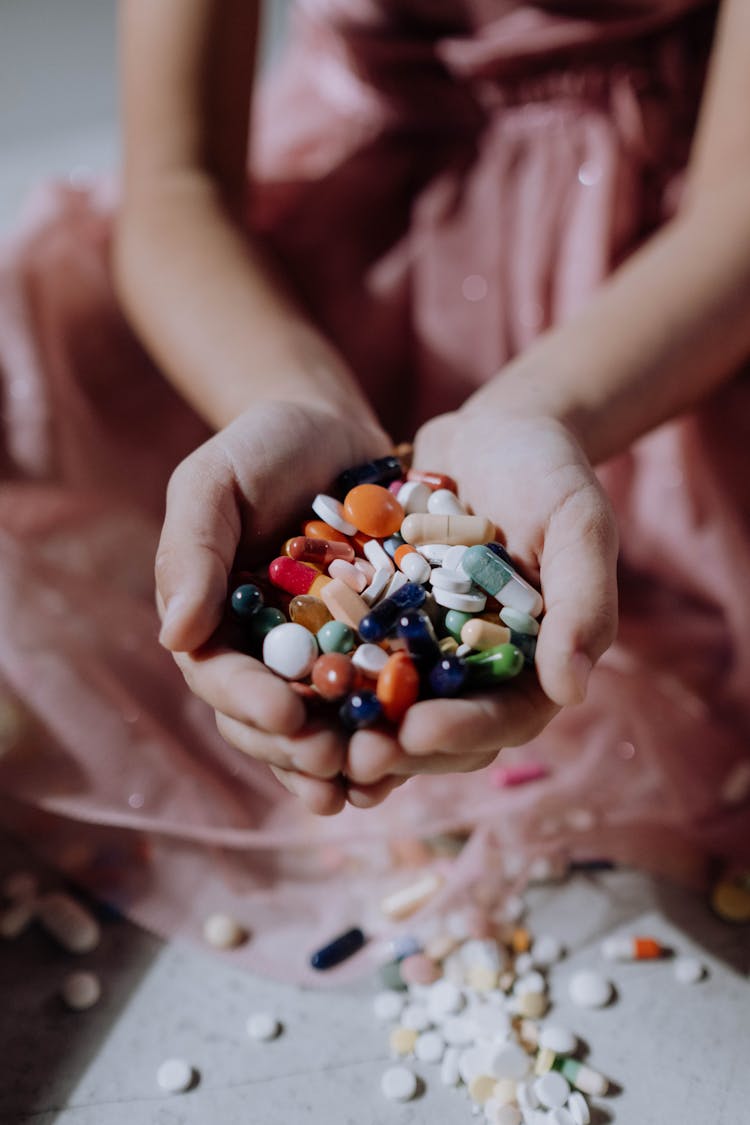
(237, 491)
(532, 478)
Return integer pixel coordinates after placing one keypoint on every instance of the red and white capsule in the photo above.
(633, 949)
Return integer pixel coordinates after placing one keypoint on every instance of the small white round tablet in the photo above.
(578, 1108)
(174, 1076)
(466, 603)
(399, 1084)
(444, 999)
(546, 950)
(416, 1017)
(370, 659)
(443, 502)
(452, 580)
(458, 1031)
(223, 932)
(81, 990)
(331, 511)
(263, 1027)
(689, 970)
(429, 1047)
(453, 557)
(510, 1061)
(589, 989)
(552, 1089)
(559, 1039)
(388, 1005)
(20, 885)
(290, 650)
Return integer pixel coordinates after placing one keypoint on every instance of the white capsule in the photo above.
(443, 502)
(552, 1089)
(518, 594)
(376, 589)
(20, 885)
(402, 903)
(68, 922)
(449, 1072)
(290, 650)
(263, 1027)
(434, 552)
(389, 1005)
(413, 496)
(16, 918)
(223, 932)
(415, 568)
(429, 1047)
(559, 1039)
(331, 511)
(399, 1084)
(370, 659)
(689, 970)
(579, 1109)
(453, 580)
(519, 622)
(547, 950)
(376, 553)
(174, 1076)
(467, 603)
(81, 991)
(453, 556)
(589, 989)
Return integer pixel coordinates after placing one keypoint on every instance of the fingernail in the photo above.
(581, 666)
(172, 611)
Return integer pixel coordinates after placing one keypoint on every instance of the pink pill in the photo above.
(520, 774)
(419, 969)
(349, 574)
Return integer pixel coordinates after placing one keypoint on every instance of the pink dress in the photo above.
(443, 181)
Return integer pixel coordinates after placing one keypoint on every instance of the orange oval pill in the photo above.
(374, 510)
(398, 686)
(319, 529)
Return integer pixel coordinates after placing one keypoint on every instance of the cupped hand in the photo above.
(532, 478)
(232, 496)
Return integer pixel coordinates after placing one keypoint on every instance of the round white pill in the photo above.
(475, 1061)
(416, 1017)
(453, 557)
(452, 580)
(449, 1072)
(20, 885)
(429, 1047)
(388, 1005)
(546, 950)
(443, 502)
(399, 1084)
(530, 982)
(559, 1039)
(466, 603)
(433, 552)
(331, 511)
(370, 659)
(689, 970)
(458, 1031)
(552, 1089)
(81, 990)
(414, 497)
(510, 1061)
(445, 999)
(223, 932)
(290, 650)
(262, 1027)
(416, 568)
(174, 1076)
(589, 989)
(579, 1109)
(519, 622)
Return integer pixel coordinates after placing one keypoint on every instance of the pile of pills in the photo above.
(393, 593)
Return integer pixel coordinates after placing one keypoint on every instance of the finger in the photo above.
(579, 580)
(243, 689)
(319, 752)
(325, 798)
(368, 796)
(477, 724)
(444, 763)
(198, 541)
(371, 756)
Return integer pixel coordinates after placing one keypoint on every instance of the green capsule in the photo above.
(486, 569)
(494, 665)
(335, 636)
(455, 619)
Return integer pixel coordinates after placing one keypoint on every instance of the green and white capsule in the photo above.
(501, 581)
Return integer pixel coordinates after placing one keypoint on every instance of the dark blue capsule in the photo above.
(361, 709)
(377, 624)
(338, 950)
(526, 644)
(246, 601)
(381, 471)
(415, 628)
(499, 550)
(449, 676)
(392, 544)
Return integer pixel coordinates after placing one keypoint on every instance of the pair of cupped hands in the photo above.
(233, 498)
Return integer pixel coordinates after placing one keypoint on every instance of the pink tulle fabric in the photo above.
(441, 181)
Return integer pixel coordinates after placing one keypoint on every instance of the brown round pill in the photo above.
(333, 675)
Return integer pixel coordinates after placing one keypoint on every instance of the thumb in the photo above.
(196, 550)
(579, 581)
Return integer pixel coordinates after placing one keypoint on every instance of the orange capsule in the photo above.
(374, 510)
(401, 552)
(398, 686)
(319, 529)
(322, 552)
(634, 948)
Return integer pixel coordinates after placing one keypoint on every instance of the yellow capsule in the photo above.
(482, 635)
(545, 1060)
(448, 646)
(402, 1040)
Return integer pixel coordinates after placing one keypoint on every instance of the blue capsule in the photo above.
(392, 544)
(361, 709)
(415, 628)
(377, 624)
(526, 644)
(380, 471)
(449, 676)
(338, 950)
(246, 601)
(499, 550)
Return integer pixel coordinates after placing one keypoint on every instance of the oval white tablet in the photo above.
(467, 603)
(81, 990)
(578, 1108)
(552, 1089)
(589, 989)
(174, 1076)
(263, 1027)
(376, 554)
(331, 511)
(434, 552)
(399, 1084)
(376, 589)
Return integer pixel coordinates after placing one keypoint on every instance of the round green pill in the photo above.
(455, 619)
(502, 662)
(390, 977)
(335, 636)
(263, 621)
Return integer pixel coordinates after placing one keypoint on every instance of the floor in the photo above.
(678, 1054)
